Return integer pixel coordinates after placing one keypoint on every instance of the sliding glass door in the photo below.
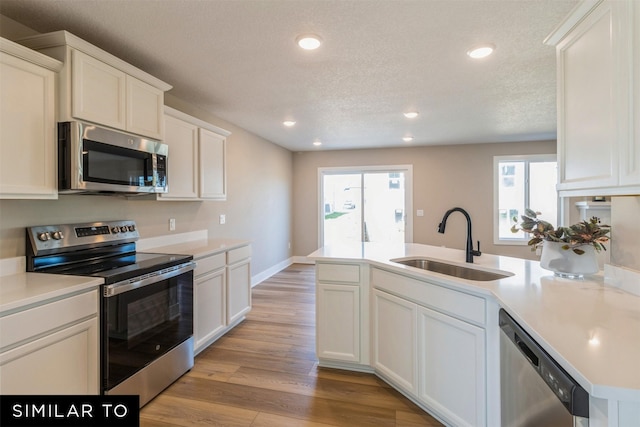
(365, 205)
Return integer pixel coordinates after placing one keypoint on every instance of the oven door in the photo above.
(143, 319)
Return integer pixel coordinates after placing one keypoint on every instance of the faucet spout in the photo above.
(470, 252)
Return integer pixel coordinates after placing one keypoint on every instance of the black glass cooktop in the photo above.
(121, 267)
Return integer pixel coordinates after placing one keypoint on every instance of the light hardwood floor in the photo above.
(264, 373)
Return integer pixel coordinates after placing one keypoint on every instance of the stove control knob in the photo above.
(132, 227)
(44, 236)
(57, 235)
(115, 230)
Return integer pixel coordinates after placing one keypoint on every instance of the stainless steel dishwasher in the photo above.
(535, 390)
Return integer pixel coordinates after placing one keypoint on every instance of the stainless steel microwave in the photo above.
(93, 159)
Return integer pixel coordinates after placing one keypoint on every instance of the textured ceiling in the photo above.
(238, 60)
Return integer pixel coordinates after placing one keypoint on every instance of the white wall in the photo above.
(443, 177)
(258, 206)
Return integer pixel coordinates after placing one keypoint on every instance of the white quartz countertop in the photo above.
(20, 290)
(24, 290)
(591, 329)
(201, 248)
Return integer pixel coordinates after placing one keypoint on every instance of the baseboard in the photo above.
(302, 260)
(264, 275)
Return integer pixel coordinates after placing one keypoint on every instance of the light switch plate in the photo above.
(223, 219)
(419, 212)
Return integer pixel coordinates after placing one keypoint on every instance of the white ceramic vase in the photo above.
(566, 263)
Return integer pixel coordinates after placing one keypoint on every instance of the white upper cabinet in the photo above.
(630, 153)
(182, 138)
(197, 158)
(213, 178)
(598, 103)
(100, 88)
(98, 91)
(145, 105)
(27, 123)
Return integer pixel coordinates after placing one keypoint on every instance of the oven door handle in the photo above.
(147, 279)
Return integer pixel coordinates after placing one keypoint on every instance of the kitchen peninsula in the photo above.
(590, 328)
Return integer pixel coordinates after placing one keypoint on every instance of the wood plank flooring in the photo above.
(264, 373)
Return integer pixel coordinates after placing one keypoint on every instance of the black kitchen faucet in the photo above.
(470, 252)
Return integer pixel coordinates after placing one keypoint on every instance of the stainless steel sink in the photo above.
(452, 270)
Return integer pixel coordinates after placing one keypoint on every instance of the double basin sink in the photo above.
(452, 270)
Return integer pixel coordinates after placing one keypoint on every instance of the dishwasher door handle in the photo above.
(527, 352)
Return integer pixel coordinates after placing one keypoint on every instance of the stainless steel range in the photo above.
(146, 313)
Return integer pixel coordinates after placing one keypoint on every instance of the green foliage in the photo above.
(334, 215)
(583, 233)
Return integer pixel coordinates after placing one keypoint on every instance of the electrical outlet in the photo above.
(172, 224)
(223, 219)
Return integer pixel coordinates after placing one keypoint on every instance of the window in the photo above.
(522, 182)
(365, 204)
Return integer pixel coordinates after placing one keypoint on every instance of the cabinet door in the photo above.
(209, 303)
(182, 138)
(213, 181)
(630, 152)
(144, 109)
(238, 291)
(65, 362)
(98, 91)
(338, 322)
(593, 99)
(28, 130)
(451, 368)
(395, 322)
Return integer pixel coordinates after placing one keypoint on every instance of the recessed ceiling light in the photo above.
(481, 51)
(309, 41)
(411, 114)
(407, 139)
(317, 143)
(288, 123)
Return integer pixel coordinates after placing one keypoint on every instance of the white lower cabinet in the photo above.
(394, 338)
(338, 326)
(451, 366)
(209, 303)
(238, 283)
(52, 348)
(426, 340)
(222, 294)
(342, 316)
(429, 342)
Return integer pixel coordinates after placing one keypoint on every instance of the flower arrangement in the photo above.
(583, 233)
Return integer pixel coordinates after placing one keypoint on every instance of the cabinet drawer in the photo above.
(458, 304)
(208, 264)
(238, 254)
(349, 273)
(39, 320)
